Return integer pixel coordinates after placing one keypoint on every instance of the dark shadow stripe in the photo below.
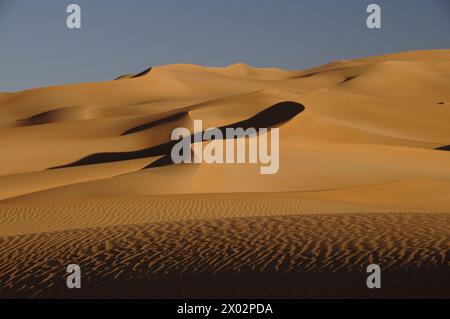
(271, 117)
(307, 75)
(129, 76)
(143, 127)
(348, 79)
(443, 148)
(110, 157)
(274, 115)
(38, 119)
(142, 73)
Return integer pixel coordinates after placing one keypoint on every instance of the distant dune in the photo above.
(364, 177)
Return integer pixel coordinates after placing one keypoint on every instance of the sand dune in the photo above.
(364, 176)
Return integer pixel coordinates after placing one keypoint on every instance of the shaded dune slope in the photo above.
(134, 76)
(272, 116)
(145, 72)
(444, 148)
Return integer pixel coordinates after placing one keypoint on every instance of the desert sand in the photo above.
(364, 178)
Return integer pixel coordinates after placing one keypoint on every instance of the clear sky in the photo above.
(119, 37)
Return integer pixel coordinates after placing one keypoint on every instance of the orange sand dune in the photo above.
(363, 146)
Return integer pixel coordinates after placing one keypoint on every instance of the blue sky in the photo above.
(119, 37)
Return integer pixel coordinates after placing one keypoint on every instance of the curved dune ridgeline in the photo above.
(86, 177)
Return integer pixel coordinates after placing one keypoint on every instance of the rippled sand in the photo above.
(285, 256)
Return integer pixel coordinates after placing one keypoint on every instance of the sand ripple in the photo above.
(111, 257)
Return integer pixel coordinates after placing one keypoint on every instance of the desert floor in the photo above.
(364, 178)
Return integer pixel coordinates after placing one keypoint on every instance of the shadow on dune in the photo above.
(270, 117)
(444, 148)
(274, 115)
(59, 115)
(39, 119)
(348, 79)
(307, 75)
(138, 75)
(147, 71)
(143, 127)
